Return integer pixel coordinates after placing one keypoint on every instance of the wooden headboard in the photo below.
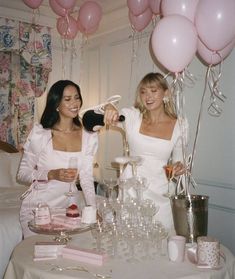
(7, 147)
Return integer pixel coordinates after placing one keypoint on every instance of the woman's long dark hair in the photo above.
(50, 115)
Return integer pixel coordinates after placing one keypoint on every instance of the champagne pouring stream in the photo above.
(121, 161)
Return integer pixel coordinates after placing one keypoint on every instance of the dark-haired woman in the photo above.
(48, 149)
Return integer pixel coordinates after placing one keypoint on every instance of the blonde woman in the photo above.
(153, 133)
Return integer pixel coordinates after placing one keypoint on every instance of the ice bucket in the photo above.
(190, 215)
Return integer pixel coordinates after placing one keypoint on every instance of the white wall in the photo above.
(113, 63)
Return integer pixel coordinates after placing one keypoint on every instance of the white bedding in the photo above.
(10, 229)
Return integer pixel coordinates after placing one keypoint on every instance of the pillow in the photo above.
(5, 170)
(9, 164)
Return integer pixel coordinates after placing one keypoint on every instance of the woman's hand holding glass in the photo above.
(64, 175)
(178, 168)
(173, 170)
(72, 171)
(169, 175)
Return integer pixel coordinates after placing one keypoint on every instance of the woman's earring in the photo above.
(165, 99)
(57, 109)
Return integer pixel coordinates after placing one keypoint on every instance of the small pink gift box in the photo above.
(47, 249)
(84, 255)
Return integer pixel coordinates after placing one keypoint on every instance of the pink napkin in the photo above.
(89, 256)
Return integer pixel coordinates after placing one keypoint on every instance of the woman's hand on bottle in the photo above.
(64, 175)
(111, 115)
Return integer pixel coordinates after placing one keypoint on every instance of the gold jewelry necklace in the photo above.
(66, 131)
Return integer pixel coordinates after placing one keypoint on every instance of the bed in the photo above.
(10, 192)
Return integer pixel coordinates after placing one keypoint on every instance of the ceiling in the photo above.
(107, 5)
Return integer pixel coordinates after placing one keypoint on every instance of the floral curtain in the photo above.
(25, 64)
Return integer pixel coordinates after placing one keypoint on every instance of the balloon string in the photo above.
(133, 56)
(180, 187)
(199, 119)
(63, 58)
(216, 94)
(190, 79)
(177, 86)
(81, 51)
(68, 28)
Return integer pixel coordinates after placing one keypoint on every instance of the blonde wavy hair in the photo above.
(158, 79)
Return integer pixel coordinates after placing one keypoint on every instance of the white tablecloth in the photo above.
(10, 228)
(22, 265)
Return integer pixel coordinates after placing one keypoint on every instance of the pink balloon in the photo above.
(186, 8)
(137, 7)
(91, 31)
(66, 4)
(213, 57)
(174, 42)
(67, 27)
(56, 8)
(215, 23)
(155, 6)
(84, 31)
(141, 21)
(90, 14)
(34, 4)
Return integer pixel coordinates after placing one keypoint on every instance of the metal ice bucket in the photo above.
(190, 215)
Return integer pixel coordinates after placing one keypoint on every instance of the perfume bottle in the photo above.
(42, 214)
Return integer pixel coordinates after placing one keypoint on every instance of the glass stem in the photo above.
(70, 187)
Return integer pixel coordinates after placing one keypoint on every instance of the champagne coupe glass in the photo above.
(132, 238)
(98, 232)
(73, 164)
(122, 161)
(169, 175)
(141, 185)
(134, 161)
(163, 234)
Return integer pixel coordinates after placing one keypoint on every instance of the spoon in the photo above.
(80, 268)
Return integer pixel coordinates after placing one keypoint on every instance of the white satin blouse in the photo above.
(39, 158)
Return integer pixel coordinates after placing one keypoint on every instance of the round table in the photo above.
(22, 266)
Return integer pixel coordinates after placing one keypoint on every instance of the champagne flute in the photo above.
(169, 175)
(122, 162)
(110, 184)
(73, 164)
